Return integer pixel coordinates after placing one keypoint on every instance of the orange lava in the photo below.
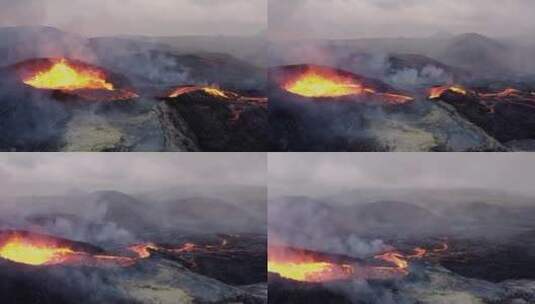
(316, 82)
(418, 253)
(437, 92)
(505, 93)
(323, 82)
(210, 90)
(31, 252)
(188, 247)
(41, 250)
(396, 258)
(395, 98)
(64, 75)
(38, 250)
(304, 267)
(143, 250)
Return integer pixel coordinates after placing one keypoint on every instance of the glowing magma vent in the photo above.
(65, 75)
(32, 252)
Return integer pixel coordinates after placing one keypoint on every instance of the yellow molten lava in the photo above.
(23, 251)
(437, 92)
(215, 92)
(315, 84)
(64, 76)
(310, 271)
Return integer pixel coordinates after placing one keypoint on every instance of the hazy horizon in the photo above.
(316, 174)
(28, 174)
(353, 19)
(138, 17)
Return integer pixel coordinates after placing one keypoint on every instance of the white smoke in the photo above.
(310, 226)
(429, 74)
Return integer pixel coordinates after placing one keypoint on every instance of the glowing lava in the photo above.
(505, 93)
(325, 83)
(215, 92)
(143, 250)
(306, 266)
(310, 271)
(64, 75)
(20, 250)
(418, 253)
(210, 90)
(316, 82)
(437, 92)
(396, 258)
(396, 98)
(301, 266)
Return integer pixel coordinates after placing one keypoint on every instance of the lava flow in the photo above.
(210, 90)
(437, 92)
(505, 93)
(68, 76)
(37, 250)
(308, 266)
(21, 250)
(144, 250)
(318, 82)
(302, 266)
(313, 81)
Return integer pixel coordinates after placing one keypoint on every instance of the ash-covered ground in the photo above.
(461, 246)
(139, 114)
(486, 96)
(185, 245)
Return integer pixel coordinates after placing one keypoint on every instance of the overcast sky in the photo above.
(319, 174)
(57, 173)
(143, 17)
(395, 18)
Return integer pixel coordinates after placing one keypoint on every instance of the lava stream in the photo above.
(40, 250)
(437, 92)
(396, 258)
(20, 250)
(306, 266)
(210, 90)
(505, 93)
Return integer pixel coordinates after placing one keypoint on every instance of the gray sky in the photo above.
(395, 18)
(56, 173)
(143, 17)
(326, 173)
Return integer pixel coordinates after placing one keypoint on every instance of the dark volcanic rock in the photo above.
(507, 118)
(284, 292)
(492, 260)
(152, 282)
(29, 120)
(222, 124)
(242, 261)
